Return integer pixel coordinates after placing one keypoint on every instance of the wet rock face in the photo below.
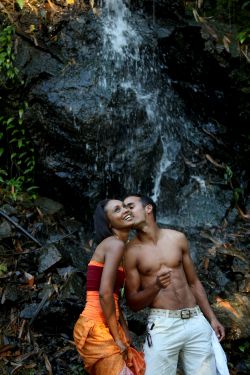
(137, 111)
(165, 9)
(87, 149)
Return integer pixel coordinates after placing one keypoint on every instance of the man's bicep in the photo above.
(132, 281)
(132, 274)
(189, 268)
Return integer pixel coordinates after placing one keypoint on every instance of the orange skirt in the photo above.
(100, 354)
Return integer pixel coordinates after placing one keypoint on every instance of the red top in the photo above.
(94, 275)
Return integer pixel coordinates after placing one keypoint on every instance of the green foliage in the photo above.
(244, 347)
(227, 21)
(8, 72)
(237, 194)
(3, 269)
(20, 3)
(228, 174)
(244, 36)
(16, 150)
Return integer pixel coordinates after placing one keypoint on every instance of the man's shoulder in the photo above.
(173, 233)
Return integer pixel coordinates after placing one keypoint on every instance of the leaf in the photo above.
(9, 120)
(197, 17)
(32, 28)
(242, 37)
(70, 2)
(1, 151)
(246, 3)
(20, 112)
(20, 3)
(47, 364)
(3, 269)
(242, 348)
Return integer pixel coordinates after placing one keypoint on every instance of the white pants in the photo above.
(171, 337)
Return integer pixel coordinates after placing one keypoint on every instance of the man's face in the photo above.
(135, 206)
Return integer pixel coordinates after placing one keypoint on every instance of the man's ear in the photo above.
(149, 208)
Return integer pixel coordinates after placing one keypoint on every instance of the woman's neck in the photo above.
(121, 234)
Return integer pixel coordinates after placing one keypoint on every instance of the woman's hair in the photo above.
(101, 223)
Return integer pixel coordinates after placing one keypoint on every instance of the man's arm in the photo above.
(199, 291)
(139, 299)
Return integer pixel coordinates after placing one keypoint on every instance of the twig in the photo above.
(27, 234)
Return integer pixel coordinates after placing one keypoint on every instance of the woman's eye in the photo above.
(117, 209)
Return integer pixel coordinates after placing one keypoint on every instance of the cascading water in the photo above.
(130, 64)
(121, 125)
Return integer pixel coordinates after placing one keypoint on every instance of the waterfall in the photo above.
(138, 71)
(145, 117)
(165, 162)
(120, 119)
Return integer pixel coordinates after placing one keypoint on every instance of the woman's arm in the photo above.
(113, 256)
(124, 325)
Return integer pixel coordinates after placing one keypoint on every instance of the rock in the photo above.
(48, 206)
(8, 209)
(5, 230)
(14, 294)
(73, 287)
(234, 313)
(49, 257)
(29, 311)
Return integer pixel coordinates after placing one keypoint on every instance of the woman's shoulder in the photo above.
(113, 242)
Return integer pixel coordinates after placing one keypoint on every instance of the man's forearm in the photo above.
(144, 298)
(202, 300)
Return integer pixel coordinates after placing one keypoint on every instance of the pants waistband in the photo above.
(182, 313)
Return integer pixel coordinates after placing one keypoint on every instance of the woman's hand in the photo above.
(122, 347)
(128, 336)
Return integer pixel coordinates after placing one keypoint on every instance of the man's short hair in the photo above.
(145, 200)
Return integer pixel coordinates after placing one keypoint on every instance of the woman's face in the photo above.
(118, 216)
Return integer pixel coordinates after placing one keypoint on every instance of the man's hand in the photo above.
(163, 279)
(218, 328)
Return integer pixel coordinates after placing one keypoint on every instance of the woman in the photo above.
(101, 334)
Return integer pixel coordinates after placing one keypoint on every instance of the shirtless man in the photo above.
(160, 274)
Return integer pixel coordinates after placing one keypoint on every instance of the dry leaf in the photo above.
(29, 278)
(226, 42)
(206, 263)
(197, 17)
(214, 162)
(47, 364)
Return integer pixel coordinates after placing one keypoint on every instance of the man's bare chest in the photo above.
(155, 259)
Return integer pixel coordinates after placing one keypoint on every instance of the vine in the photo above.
(17, 156)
